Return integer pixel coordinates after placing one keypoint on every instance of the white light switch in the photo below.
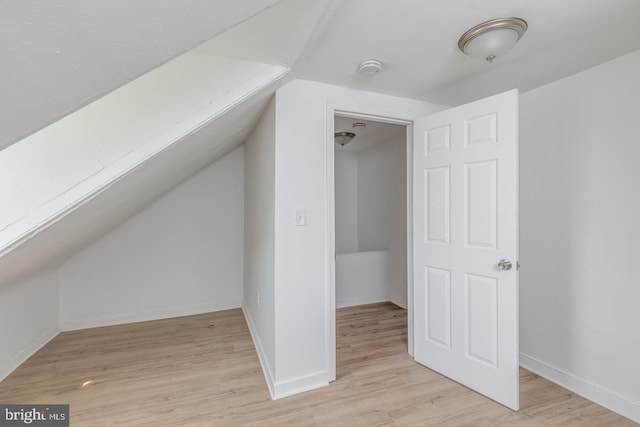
(301, 217)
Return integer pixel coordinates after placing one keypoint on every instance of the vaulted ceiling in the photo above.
(59, 56)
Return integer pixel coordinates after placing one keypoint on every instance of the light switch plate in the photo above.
(301, 217)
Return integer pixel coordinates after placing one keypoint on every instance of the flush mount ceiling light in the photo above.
(370, 67)
(343, 138)
(492, 39)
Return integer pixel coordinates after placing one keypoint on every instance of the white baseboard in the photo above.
(165, 313)
(584, 388)
(367, 299)
(286, 388)
(10, 365)
(300, 385)
(396, 301)
(262, 356)
(352, 302)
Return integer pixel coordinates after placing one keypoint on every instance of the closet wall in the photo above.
(371, 221)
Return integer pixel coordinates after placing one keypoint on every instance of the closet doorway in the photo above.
(370, 169)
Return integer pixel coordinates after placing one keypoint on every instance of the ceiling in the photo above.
(417, 42)
(373, 134)
(59, 56)
(122, 198)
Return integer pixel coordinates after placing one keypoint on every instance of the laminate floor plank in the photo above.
(203, 371)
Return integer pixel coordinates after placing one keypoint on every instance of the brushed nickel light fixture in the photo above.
(492, 39)
(343, 138)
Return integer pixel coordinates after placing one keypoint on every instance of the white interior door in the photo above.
(465, 223)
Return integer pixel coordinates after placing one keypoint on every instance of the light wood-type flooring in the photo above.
(203, 371)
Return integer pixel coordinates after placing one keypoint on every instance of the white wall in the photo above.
(374, 219)
(28, 318)
(579, 233)
(303, 276)
(397, 183)
(259, 244)
(346, 173)
(382, 210)
(362, 278)
(371, 199)
(181, 255)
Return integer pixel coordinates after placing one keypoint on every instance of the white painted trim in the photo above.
(12, 364)
(401, 118)
(409, 186)
(331, 243)
(393, 301)
(300, 385)
(584, 388)
(369, 299)
(372, 117)
(287, 388)
(166, 313)
(262, 355)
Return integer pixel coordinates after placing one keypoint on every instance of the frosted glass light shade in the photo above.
(492, 44)
(492, 39)
(343, 138)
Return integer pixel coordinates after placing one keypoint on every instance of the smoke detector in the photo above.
(370, 67)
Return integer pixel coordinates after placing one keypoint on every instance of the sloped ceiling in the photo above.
(192, 109)
(57, 170)
(131, 193)
(60, 55)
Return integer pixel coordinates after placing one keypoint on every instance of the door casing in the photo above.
(398, 118)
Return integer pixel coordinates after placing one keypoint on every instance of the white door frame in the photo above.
(365, 113)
